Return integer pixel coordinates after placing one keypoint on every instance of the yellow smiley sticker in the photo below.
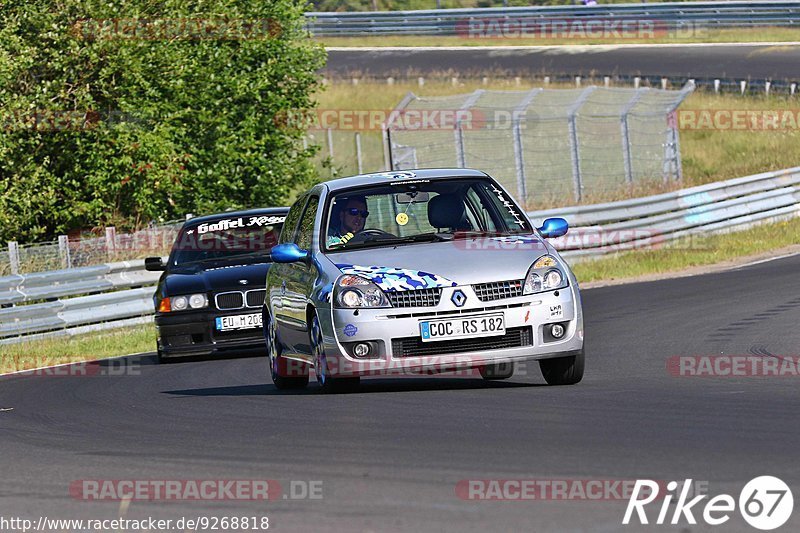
(401, 219)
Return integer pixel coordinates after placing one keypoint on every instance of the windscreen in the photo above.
(419, 210)
(227, 238)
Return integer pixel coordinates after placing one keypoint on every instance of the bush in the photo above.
(125, 111)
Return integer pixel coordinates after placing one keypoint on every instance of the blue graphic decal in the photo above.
(350, 330)
(392, 279)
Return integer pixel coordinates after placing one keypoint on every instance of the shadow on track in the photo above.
(367, 387)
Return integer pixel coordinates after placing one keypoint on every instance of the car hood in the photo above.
(203, 278)
(444, 264)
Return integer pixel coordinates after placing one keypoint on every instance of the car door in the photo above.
(276, 277)
(299, 280)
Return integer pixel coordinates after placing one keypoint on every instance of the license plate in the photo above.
(462, 327)
(227, 323)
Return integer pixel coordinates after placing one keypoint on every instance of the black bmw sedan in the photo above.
(208, 300)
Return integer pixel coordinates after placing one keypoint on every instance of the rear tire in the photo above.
(563, 370)
(278, 363)
(327, 384)
(497, 371)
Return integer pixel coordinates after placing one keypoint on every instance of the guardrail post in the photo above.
(358, 152)
(519, 158)
(387, 150)
(626, 138)
(573, 141)
(13, 256)
(330, 149)
(461, 156)
(673, 166)
(63, 251)
(111, 241)
(329, 132)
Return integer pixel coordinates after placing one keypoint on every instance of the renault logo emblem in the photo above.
(458, 298)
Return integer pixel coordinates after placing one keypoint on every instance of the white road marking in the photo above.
(767, 260)
(32, 370)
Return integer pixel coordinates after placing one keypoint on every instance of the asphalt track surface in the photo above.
(390, 455)
(740, 62)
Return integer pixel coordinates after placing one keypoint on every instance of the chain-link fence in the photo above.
(346, 152)
(546, 145)
(67, 252)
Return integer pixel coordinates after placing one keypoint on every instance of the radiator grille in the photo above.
(255, 298)
(230, 300)
(414, 347)
(415, 298)
(488, 292)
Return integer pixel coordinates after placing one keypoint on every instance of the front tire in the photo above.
(277, 363)
(563, 370)
(327, 384)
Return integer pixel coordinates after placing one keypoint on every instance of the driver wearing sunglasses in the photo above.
(351, 220)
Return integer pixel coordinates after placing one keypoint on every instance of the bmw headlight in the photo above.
(189, 301)
(544, 275)
(355, 292)
(198, 301)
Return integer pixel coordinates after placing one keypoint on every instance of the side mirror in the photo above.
(154, 264)
(554, 227)
(288, 253)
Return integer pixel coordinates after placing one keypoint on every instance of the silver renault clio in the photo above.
(418, 272)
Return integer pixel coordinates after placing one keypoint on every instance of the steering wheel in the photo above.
(365, 234)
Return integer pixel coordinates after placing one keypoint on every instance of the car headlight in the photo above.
(198, 301)
(355, 292)
(182, 303)
(544, 275)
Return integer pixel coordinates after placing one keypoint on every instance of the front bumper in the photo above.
(193, 333)
(397, 348)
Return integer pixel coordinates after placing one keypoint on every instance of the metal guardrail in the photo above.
(673, 15)
(117, 294)
(652, 221)
(66, 301)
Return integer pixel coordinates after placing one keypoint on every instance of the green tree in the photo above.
(126, 111)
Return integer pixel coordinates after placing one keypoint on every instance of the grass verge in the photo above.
(743, 35)
(86, 347)
(689, 253)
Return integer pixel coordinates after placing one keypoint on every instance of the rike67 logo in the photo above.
(765, 503)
